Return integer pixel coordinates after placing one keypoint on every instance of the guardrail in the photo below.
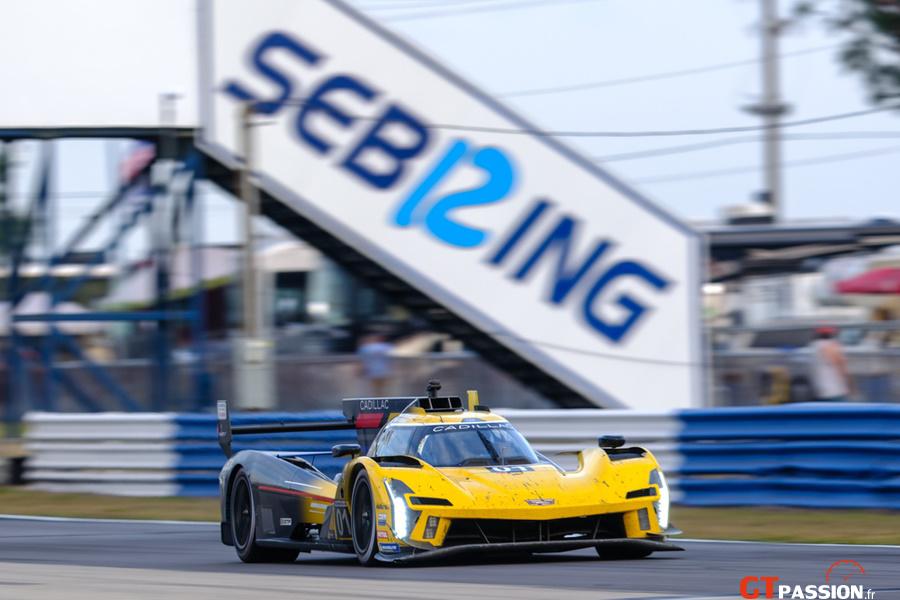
(798, 455)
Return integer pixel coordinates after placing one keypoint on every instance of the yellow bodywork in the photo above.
(597, 486)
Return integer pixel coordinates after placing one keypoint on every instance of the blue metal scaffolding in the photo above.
(157, 184)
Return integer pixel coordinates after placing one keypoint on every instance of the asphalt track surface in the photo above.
(76, 560)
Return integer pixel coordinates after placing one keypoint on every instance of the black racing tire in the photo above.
(362, 520)
(607, 553)
(242, 518)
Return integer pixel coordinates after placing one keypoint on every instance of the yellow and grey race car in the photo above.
(436, 476)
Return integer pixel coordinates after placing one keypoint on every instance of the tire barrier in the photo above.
(809, 455)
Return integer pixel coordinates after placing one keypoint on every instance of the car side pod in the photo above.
(611, 441)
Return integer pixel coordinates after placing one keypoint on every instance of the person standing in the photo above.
(831, 379)
(879, 364)
(375, 363)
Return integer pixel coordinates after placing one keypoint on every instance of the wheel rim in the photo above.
(242, 514)
(362, 519)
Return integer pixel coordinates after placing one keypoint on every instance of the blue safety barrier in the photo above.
(793, 422)
(199, 458)
(810, 455)
(798, 491)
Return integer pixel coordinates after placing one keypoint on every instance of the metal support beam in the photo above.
(65, 381)
(254, 369)
(173, 182)
(250, 196)
(162, 240)
(203, 392)
(123, 397)
(774, 108)
(45, 283)
(113, 316)
(771, 108)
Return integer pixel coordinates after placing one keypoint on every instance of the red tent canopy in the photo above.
(878, 281)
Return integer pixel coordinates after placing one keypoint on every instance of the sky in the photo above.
(551, 44)
(510, 46)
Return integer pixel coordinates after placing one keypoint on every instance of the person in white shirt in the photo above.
(831, 380)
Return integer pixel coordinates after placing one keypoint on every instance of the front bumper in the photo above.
(410, 555)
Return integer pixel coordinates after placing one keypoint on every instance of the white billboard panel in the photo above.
(509, 229)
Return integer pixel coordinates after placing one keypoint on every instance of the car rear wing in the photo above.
(225, 431)
(366, 415)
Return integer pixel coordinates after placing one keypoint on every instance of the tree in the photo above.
(873, 48)
(14, 229)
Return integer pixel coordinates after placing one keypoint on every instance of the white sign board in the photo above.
(404, 161)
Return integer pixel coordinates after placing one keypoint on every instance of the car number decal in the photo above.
(510, 469)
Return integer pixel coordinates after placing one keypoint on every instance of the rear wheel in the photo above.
(362, 508)
(242, 514)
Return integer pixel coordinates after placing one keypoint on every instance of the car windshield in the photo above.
(457, 444)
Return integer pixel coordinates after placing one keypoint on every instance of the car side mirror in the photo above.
(345, 450)
(611, 441)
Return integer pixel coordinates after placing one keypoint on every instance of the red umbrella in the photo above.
(879, 281)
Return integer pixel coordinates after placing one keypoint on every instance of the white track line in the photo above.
(695, 541)
(89, 520)
(214, 523)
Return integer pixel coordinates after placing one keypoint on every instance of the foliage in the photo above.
(873, 46)
(13, 230)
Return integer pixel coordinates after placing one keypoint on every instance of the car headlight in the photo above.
(403, 518)
(661, 506)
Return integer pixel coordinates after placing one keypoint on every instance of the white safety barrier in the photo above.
(109, 426)
(167, 454)
(129, 454)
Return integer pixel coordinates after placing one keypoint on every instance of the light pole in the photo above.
(250, 195)
(254, 368)
(771, 108)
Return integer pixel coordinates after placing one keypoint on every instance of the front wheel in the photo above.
(242, 514)
(362, 508)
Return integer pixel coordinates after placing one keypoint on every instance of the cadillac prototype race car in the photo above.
(437, 476)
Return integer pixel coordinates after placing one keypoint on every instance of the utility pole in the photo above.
(254, 366)
(250, 196)
(6, 225)
(163, 170)
(771, 107)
